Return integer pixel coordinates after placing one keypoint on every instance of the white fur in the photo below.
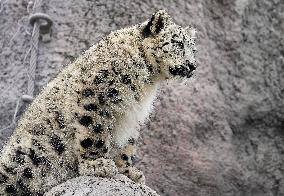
(128, 127)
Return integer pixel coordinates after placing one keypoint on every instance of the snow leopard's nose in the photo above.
(190, 65)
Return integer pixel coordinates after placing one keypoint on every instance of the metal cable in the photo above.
(34, 51)
(37, 26)
(33, 59)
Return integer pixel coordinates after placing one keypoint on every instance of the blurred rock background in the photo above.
(222, 133)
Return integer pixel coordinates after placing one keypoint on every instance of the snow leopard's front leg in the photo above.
(100, 167)
(92, 154)
(125, 160)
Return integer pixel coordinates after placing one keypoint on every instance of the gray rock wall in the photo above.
(223, 132)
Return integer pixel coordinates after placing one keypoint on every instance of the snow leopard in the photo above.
(86, 120)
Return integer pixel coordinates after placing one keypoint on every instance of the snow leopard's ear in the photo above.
(159, 21)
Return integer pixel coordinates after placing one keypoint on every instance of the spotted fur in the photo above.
(82, 121)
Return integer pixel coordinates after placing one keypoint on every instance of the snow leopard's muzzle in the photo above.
(183, 70)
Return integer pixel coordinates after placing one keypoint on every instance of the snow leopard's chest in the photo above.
(128, 126)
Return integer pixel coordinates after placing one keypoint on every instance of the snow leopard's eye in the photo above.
(166, 47)
(178, 44)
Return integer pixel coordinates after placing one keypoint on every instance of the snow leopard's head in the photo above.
(169, 46)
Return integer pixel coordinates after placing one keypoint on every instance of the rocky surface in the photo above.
(223, 132)
(86, 185)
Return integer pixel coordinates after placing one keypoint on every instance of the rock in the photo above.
(87, 185)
